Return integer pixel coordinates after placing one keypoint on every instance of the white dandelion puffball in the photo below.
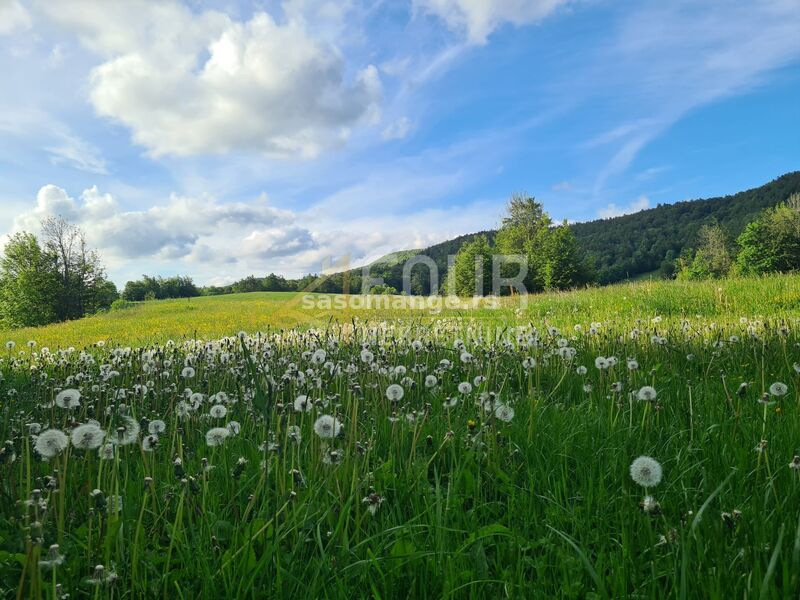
(431, 381)
(127, 432)
(646, 471)
(601, 362)
(778, 389)
(188, 373)
(302, 404)
(217, 435)
(328, 427)
(51, 442)
(150, 442)
(68, 399)
(218, 411)
(106, 451)
(465, 387)
(88, 436)
(367, 356)
(504, 413)
(156, 427)
(646, 393)
(395, 392)
(319, 356)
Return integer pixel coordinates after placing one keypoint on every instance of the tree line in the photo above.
(769, 244)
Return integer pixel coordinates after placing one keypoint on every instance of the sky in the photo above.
(219, 139)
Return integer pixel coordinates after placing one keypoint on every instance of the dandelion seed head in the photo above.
(218, 411)
(51, 442)
(395, 392)
(504, 413)
(646, 471)
(778, 389)
(87, 436)
(646, 393)
(68, 399)
(327, 427)
(216, 436)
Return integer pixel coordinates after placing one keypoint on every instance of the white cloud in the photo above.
(674, 57)
(14, 18)
(190, 83)
(612, 210)
(562, 186)
(397, 130)
(477, 19)
(278, 241)
(173, 230)
(77, 153)
(38, 129)
(216, 241)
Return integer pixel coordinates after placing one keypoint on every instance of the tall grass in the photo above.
(465, 505)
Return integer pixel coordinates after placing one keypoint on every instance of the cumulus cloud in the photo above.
(181, 228)
(217, 241)
(276, 241)
(612, 210)
(14, 18)
(189, 83)
(477, 19)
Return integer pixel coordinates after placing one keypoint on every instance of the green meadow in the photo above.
(776, 296)
(641, 440)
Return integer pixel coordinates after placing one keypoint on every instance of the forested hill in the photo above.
(624, 247)
(630, 245)
(616, 249)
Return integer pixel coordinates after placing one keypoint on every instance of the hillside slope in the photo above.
(629, 245)
(625, 247)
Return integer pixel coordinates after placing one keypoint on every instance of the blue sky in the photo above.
(220, 139)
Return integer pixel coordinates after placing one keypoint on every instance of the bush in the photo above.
(121, 304)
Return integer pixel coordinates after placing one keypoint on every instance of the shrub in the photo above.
(121, 304)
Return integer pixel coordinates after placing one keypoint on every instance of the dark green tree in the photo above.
(563, 265)
(29, 283)
(771, 243)
(472, 271)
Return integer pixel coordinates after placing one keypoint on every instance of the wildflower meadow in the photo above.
(634, 443)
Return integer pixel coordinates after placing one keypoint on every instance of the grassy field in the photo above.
(215, 317)
(394, 453)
